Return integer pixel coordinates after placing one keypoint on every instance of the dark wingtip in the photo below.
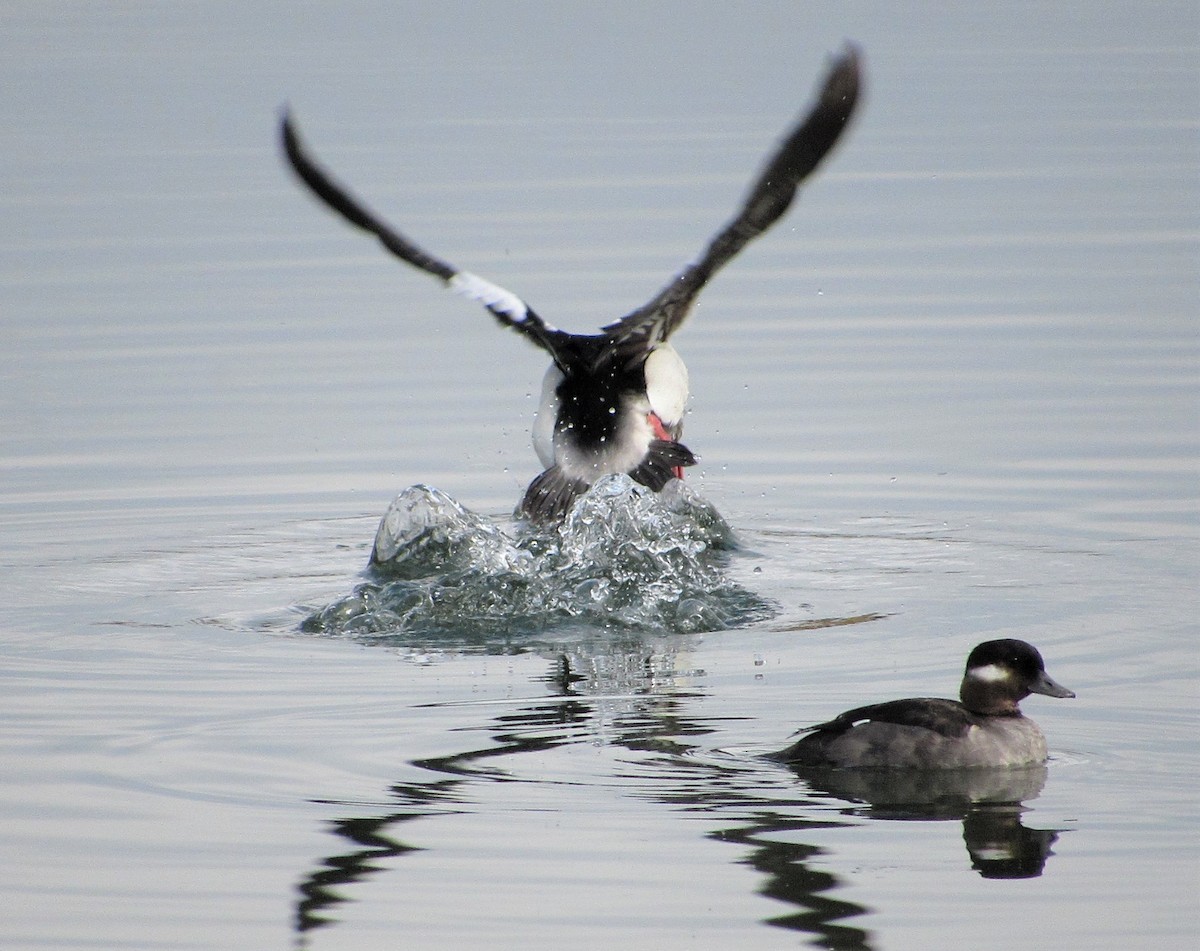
(289, 138)
(852, 54)
(844, 85)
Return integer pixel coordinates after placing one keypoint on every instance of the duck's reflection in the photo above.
(988, 802)
(630, 699)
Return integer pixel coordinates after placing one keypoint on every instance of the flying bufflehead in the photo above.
(985, 729)
(613, 402)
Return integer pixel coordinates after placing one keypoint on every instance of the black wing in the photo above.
(505, 306)
(947, 717)
(769, 197)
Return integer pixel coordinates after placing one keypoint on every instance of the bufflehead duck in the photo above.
(985, 729)
(613, 402)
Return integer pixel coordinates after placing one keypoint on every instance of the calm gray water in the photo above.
(952, 396)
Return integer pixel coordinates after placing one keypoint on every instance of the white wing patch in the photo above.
(490, 295)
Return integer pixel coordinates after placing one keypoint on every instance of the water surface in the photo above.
(951, 397)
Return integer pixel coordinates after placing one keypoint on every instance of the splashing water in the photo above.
(624, 558)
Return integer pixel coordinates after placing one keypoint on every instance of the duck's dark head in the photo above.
(1002, 673)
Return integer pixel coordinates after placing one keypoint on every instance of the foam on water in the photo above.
(624, 557)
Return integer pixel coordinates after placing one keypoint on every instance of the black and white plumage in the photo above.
(984, 728)
(613, 402)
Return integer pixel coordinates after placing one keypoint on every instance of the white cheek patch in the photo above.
(990, 674)
(490, 295)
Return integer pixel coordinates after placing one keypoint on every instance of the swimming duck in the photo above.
(985, 728)
(613, 402)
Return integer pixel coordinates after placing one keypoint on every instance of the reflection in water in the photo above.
(1001, 847)
(432, 798)
(791, 880)
(317, 892)
(987, 801)
(622, 696)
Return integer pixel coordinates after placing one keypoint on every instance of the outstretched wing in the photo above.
(768, 198)
(504, 305)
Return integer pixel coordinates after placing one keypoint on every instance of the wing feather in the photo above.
(931, 713)
(768, 198)
(504, 305)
